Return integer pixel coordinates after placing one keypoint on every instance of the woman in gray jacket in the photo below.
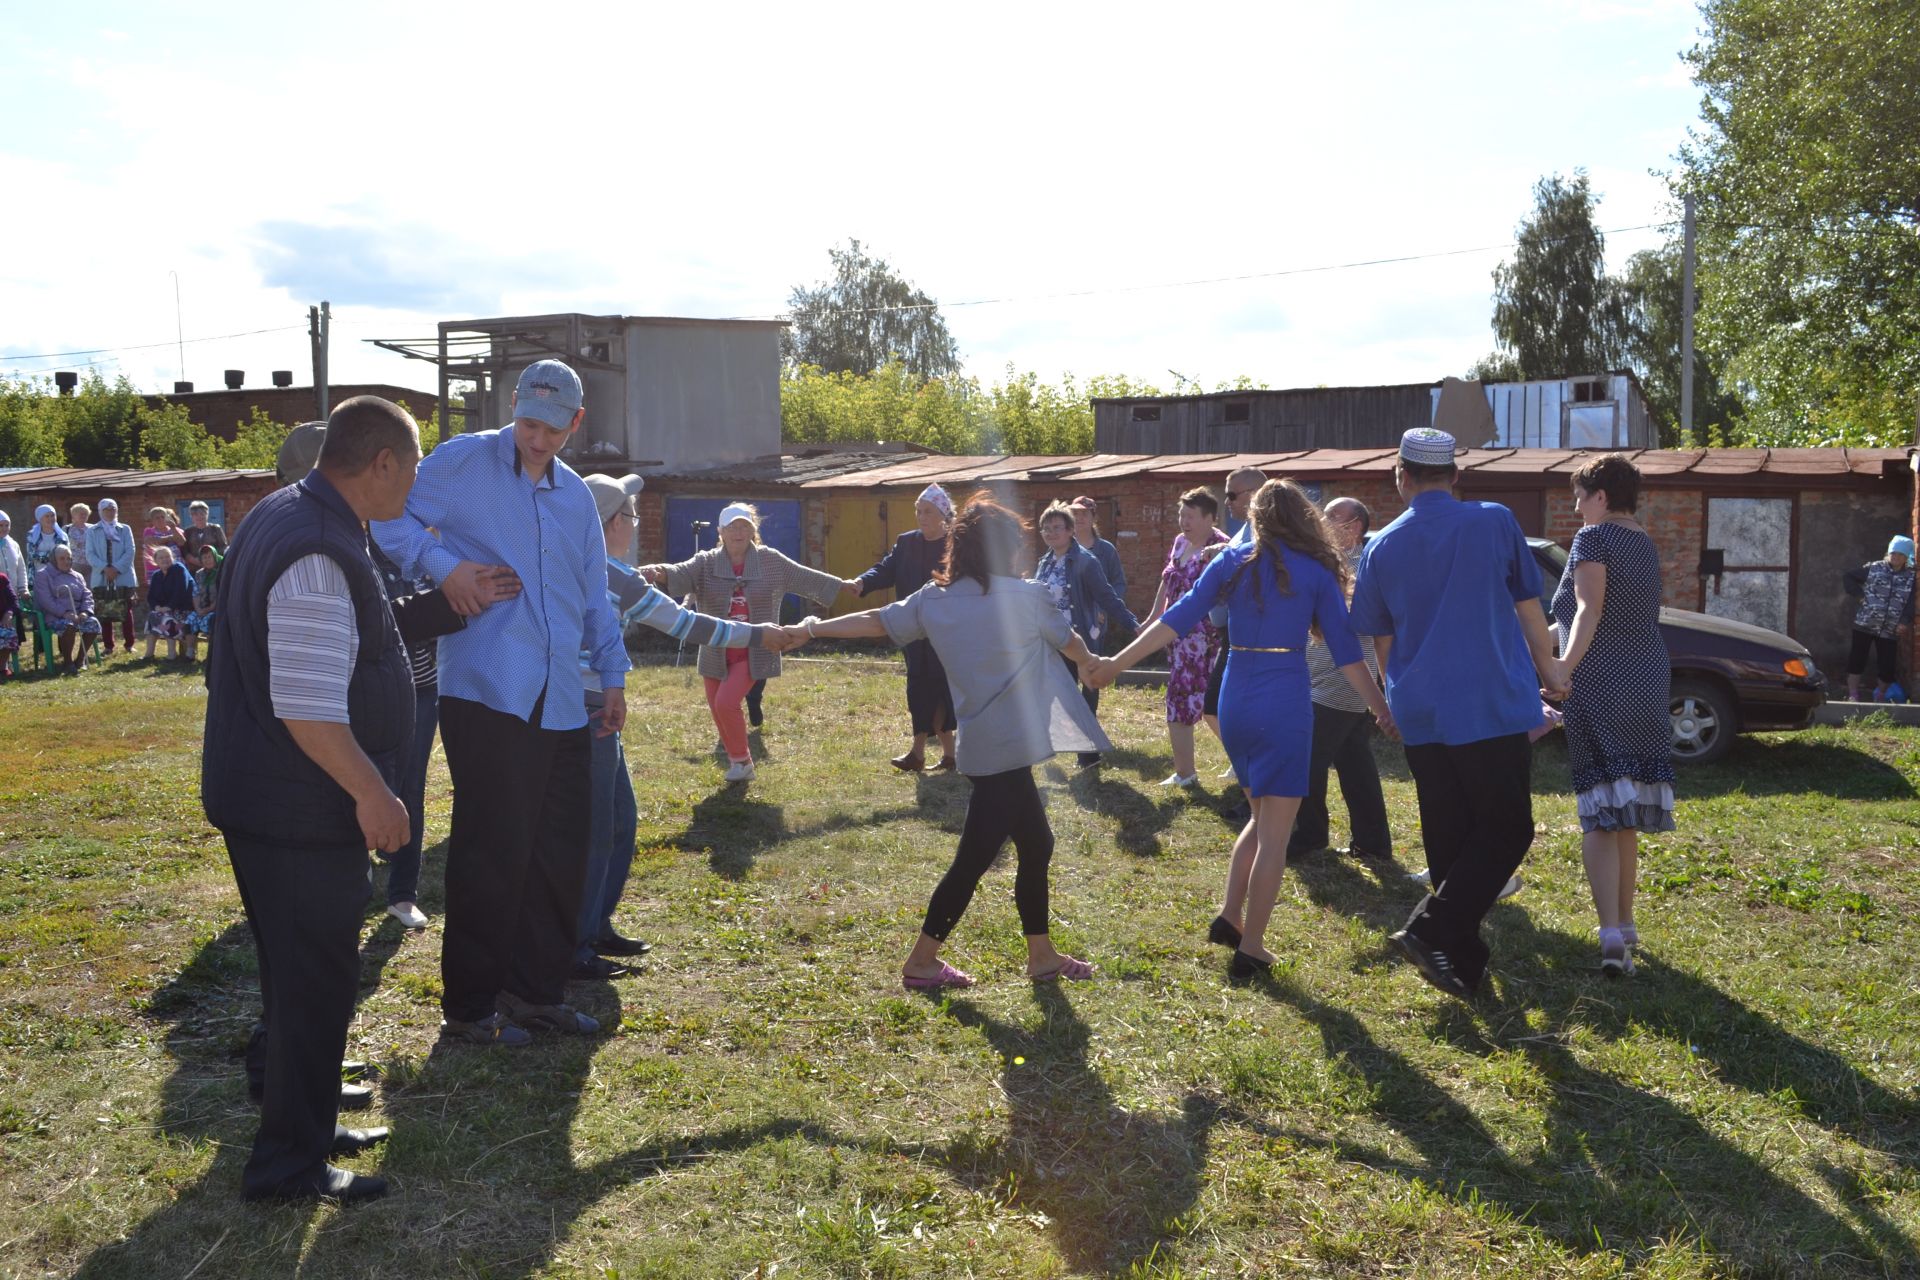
(744, 581)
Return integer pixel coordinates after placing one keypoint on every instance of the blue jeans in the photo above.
(613, 824)
(403, 865)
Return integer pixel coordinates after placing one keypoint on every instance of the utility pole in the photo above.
(179, 330)
(319, 321)
(1686, 322)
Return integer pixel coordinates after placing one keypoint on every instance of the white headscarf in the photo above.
(938, 497)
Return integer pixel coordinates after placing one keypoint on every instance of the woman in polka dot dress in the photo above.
(1619, 737)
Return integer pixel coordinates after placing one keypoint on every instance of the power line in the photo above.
(148, 346)
(1185, 284)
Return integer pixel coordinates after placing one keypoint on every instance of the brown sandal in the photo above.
(909, 763)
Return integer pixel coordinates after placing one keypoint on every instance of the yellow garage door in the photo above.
(857, 536)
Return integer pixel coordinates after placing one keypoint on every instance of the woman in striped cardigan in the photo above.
(744, 581)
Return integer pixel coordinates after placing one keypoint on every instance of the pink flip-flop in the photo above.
(1069, 968)
(947, 977)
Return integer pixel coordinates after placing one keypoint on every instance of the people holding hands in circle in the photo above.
(1290, 580)
(996, 634)
(916, 556)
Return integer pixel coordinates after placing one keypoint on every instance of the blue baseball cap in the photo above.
(1901, 545)
(548, 392)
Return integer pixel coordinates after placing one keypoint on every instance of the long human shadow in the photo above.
(1113, 1182)
(1794, 765)
(1620, 1168)
(1140, 818)
(1533, 967)
(733, 829)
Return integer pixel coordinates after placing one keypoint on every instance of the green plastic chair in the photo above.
(43, 639)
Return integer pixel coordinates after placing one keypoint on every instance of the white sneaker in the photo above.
(408, 914)
(1181, 780)
(1227, 773)
(740, 771)
(1422, 878)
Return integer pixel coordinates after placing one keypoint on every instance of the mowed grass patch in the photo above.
(766, 1100)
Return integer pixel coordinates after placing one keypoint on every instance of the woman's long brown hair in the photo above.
(984, 539)
(1283, 515)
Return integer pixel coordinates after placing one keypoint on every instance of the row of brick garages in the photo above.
(1784, 522)
(1755, 534)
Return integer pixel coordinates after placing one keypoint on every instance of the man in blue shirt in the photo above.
(511, 716)
(1450, 593)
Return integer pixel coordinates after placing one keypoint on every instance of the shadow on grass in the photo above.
(733, 829)
(1794, 765)
(1616, 1168)
(1557, 973)
(1114, 1183)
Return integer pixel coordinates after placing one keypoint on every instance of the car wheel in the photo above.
(1704, 721)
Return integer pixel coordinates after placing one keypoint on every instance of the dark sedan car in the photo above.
(1728, 677)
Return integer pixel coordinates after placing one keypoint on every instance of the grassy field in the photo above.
(768, 1101)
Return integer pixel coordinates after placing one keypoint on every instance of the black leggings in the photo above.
(1002, 805)
(1884, 652)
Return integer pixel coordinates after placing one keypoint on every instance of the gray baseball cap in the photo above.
(300, 451)
(549, 392)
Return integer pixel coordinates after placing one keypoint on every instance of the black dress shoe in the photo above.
(348, 1141)
(1223, 932)
(615, 944)
(598, 969)
(329, 1184)
(1245, 968)
(1088, 759)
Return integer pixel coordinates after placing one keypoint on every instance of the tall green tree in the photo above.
(866, 316)
(1807, 174)
(1554, 310)
(1650, 293)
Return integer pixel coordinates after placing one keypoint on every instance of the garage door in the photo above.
(691, 527)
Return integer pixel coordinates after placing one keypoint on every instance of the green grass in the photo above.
(767, 1101)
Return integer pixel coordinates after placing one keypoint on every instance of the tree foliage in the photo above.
(112, 426)
(953, 414)
(865, 317)
(1807, 176)
(1555, 312)
(1650, 295)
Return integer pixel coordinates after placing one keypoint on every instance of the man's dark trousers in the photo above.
(1476, 820)
(516, 857)
(1341, 740)
(304, 907)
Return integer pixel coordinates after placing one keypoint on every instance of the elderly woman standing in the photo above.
(1190, 663)
(110, 553)
(1619, 736)
(77, 517)
(13, 566)
(45, 535)
(62, 597)
(743, 581)
(916, 556)
(996, 636)
(1079, 588)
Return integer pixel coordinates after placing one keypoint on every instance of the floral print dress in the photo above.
(1190, 660)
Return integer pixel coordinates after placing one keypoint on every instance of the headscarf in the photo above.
(938, 497)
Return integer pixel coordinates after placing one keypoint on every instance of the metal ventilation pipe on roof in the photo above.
(283, 377)
(236, 378)
(183, 388)
(66, 380)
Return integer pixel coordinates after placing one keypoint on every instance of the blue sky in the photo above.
(656, 161)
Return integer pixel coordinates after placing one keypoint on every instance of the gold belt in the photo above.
(1254, 648)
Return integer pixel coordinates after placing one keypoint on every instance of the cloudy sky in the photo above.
(1110, 188)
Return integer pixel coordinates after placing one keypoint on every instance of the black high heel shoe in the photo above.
(1222, 932)
(1245, 968)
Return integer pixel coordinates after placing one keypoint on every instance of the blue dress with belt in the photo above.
(1266, 707)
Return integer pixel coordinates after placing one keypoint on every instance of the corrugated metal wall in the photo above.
(1311, 418)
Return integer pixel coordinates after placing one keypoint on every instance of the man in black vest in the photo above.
(309, 707)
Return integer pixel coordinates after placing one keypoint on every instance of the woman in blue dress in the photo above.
(1289, 581)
